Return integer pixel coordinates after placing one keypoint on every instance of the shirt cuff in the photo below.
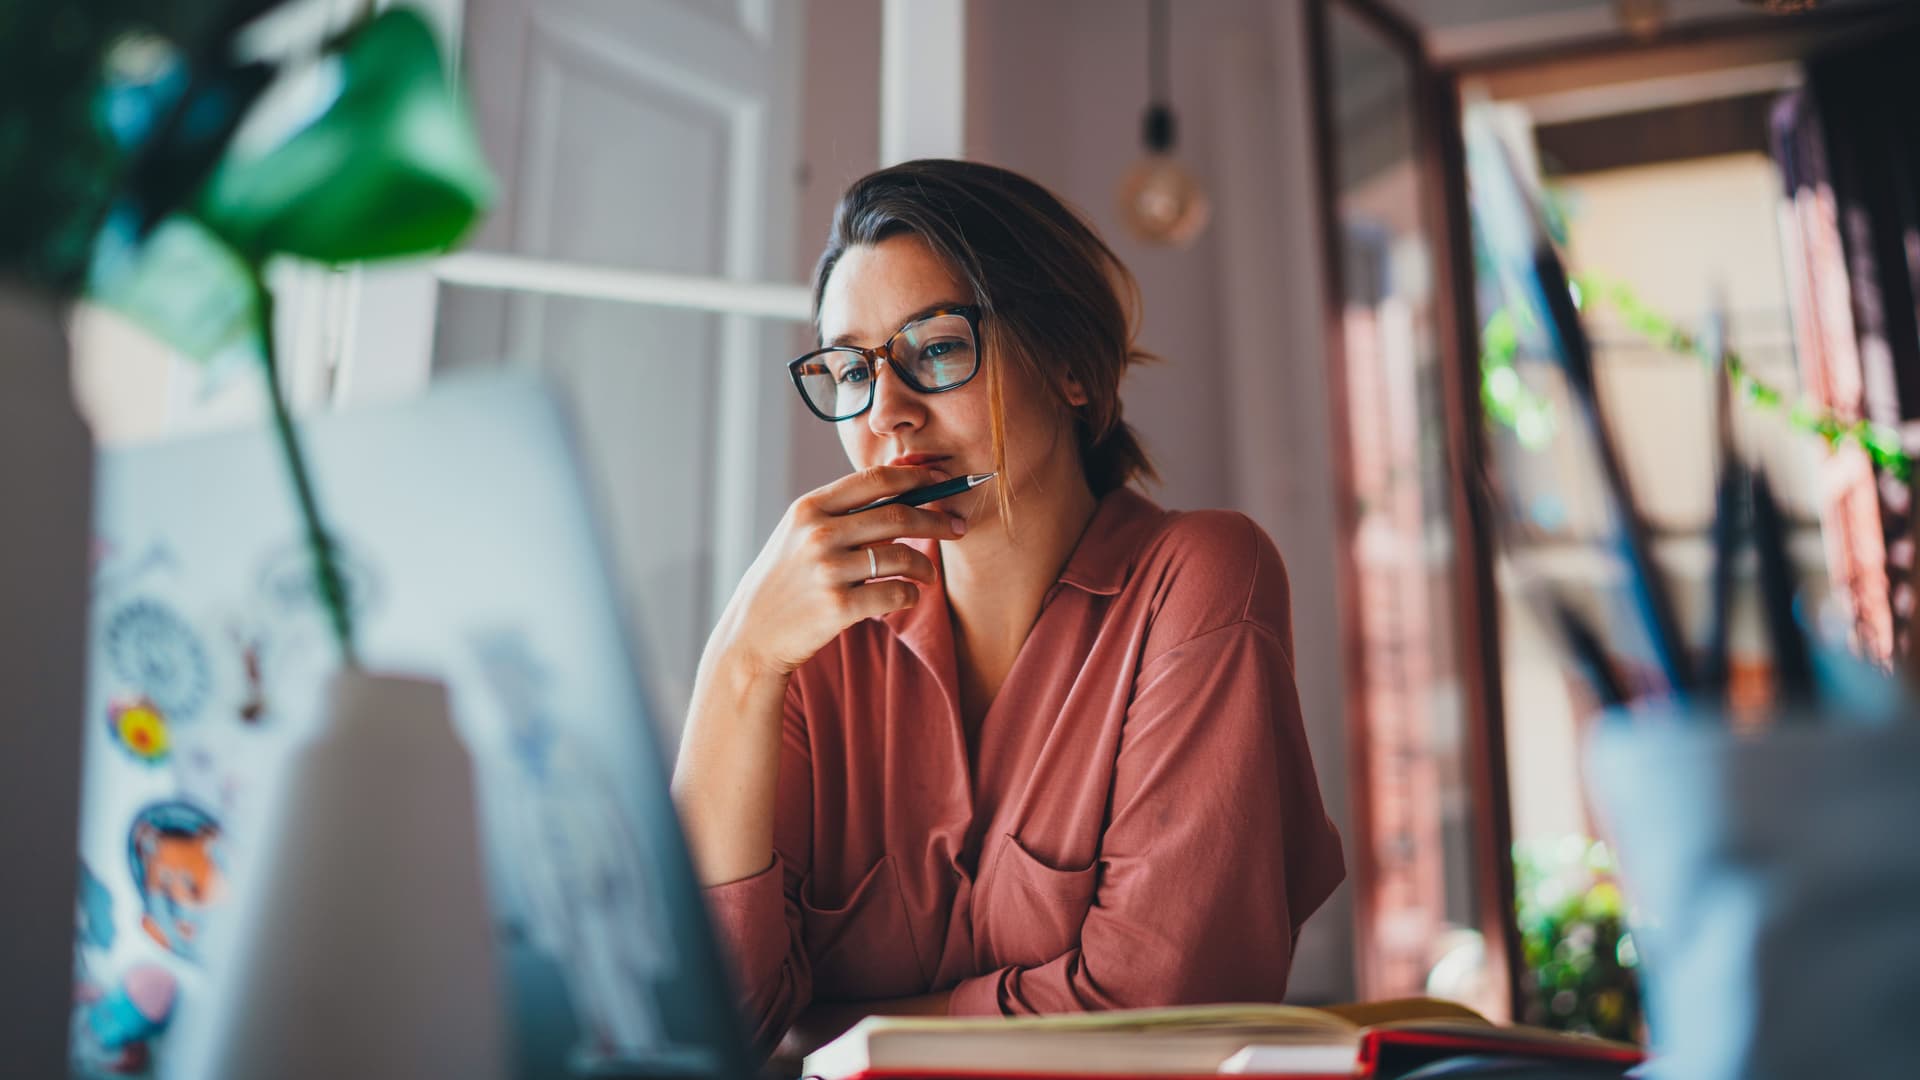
(978, 996)
(749, 918)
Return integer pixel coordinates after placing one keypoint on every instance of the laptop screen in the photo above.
(471, 556)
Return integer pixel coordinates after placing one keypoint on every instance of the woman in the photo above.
(1032, 748)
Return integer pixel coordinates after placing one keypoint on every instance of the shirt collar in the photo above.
(1103, 559)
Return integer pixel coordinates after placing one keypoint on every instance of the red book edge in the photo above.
(1372, 1041)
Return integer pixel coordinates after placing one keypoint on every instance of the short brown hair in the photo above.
(1047, 287)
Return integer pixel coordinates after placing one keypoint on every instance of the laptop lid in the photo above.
(471, 555)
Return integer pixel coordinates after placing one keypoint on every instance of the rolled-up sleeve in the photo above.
(757, 918)
(1217, 845)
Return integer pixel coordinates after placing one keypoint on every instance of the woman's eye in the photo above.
(853, 374)
(946, 361)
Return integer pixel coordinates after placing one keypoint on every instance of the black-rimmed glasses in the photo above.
(937, 352)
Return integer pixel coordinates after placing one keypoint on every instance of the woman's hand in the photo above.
(812, 580)
(815, 576)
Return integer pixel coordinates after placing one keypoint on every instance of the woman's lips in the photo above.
(910, 460)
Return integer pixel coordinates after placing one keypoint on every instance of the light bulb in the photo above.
(1642, 18)
(1162, 203)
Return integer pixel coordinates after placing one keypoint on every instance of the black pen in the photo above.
(1728, 528)
(1792, 662)
(1645, 578)
(931, 492)
(1728, 511)
(1520, 242)
(1585, 648)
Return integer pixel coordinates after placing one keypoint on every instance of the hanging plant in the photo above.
(1509, 402)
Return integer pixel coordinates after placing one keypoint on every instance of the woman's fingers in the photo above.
(855, 490)
(894, 522)
(824, 569)
(884, 561)
(880, 597)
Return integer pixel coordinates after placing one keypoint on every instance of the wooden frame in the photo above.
(1441, 170)
(1443, 156)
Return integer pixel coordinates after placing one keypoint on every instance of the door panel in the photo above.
(656, 137)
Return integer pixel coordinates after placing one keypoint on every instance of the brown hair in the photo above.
(1052, 295)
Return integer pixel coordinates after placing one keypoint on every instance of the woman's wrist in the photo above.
(744, 679)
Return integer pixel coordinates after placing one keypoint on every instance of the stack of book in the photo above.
(1194, 1041)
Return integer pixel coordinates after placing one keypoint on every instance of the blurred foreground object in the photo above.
(367, 152)
(86, 91)
(368, 844)
(45, 499)
(1773, 878)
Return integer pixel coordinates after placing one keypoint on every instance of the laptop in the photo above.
(471, 555)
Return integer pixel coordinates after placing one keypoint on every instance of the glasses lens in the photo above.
(937, 353)
(837, 382)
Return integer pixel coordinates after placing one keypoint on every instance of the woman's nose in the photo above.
(895, 404)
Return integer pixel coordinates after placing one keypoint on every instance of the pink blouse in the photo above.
(1138, 822)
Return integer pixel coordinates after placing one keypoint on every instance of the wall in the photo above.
(839, 143)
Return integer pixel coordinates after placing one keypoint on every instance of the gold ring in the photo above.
(873, 564)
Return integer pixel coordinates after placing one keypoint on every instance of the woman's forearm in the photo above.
(729, 767)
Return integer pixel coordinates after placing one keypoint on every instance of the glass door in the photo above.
(1431, 905)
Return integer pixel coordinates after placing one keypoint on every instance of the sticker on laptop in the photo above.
(140, 728)
(151, 648)
(175, 851)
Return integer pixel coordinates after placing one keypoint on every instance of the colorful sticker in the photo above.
(140, 729)
(136, 1010)
(254, 705)
(178, 870)
(149, 646)
(113, 1029)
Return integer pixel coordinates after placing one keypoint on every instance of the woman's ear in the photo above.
(1075, 393)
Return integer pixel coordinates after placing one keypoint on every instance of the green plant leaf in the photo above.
(184, 286)
(370, 154)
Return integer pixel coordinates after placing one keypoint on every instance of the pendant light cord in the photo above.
(1158, 93)
(1157, 129)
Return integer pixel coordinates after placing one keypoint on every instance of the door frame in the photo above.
(1698, 51)
(1440, 163)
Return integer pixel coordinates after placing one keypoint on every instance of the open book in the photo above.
(1191, 1041)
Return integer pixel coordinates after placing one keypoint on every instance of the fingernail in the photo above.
(959, 524)
(937, 474)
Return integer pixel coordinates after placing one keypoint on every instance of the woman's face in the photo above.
(872, 292)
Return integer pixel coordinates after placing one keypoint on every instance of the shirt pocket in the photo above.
(862, 947)
(1035, 910)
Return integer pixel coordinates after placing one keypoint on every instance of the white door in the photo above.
(654, 136)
